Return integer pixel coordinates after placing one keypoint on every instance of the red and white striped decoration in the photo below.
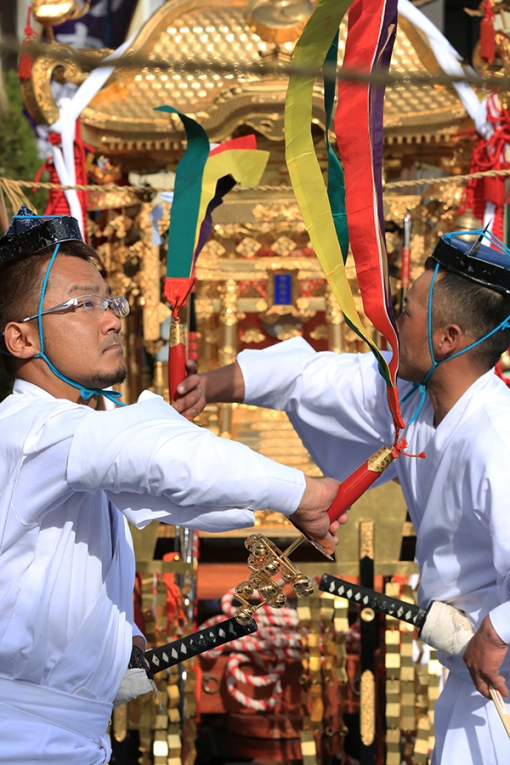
(277, 640)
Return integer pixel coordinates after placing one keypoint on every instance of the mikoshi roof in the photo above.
(207, 32)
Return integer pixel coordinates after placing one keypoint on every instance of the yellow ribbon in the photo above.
(305, 173)
(245, 165)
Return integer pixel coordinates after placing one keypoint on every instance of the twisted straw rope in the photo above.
(13, 187)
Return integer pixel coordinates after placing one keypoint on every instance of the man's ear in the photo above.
(449, 340)
(21, 340)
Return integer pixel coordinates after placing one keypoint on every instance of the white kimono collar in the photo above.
(24, 387)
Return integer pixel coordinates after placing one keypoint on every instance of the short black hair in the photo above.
(476, 309)
(21, 282)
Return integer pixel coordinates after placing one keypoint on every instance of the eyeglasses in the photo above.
(93, 304)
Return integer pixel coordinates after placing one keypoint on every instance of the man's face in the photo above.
(83, 347)
(415, 360)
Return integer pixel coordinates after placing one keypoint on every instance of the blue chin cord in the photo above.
(422, 386)
(85, 393)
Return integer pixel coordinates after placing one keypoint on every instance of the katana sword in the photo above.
(166, 656)
(440, 625)
(377, 601)
(139, 677)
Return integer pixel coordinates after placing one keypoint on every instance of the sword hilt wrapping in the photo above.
(198, 642)
(446, 628)
(360, 480)
(441, 626)
(406, 612)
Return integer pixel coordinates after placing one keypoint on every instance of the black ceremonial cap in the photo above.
(28, 235)
(478, 263)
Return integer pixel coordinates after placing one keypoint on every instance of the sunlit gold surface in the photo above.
(55, 12)
(122, 114)
(278, 21)
(366, 539)
(367, 707)
(266, 561)
(382, 459)
(177, 334)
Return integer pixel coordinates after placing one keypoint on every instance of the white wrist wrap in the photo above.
(447, 629)
(134, 683)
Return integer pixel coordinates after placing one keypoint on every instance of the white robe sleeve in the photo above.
(137, 632)
(155, 464)
(496, 491)
(336, 402)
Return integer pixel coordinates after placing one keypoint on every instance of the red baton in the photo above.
(176, 358)
(360, 480)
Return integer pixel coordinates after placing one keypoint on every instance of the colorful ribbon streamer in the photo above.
(201, 180)
(323, 214)
(197, 192)
(359, 132)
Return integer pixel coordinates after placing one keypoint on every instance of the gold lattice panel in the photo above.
(270, 433)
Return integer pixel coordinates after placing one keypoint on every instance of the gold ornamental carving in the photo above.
(381, 459)
(367, 615)
(177, 334)
(149, 277)
(229, 295)
(278, 21)
(252, 335)
(37, 91)
(283, 245)
(121, 116)
(277, 211)
(248, 247)
(265, 561)
(366, 539)
(229, 319)
(367, 708)
(53, 12)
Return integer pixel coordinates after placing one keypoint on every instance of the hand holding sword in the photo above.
(138, 679)
(442, 627)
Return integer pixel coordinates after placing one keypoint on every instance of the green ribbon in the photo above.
(336, 183)
(187, 193)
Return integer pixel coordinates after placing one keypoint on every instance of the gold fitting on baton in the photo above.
(382, 459)
(177, 334)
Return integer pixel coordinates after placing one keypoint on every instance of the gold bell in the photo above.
(505, 361)
(467, 222)
(54, 12)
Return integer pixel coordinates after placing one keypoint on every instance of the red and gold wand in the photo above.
(354, 486)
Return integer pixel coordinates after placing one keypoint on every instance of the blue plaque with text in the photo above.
(283, 289)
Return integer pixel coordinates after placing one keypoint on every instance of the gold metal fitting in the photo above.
(382, 459)
(177, 334)
(265, 561)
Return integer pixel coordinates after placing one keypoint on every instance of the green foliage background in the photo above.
(19, 161)
(18, 148)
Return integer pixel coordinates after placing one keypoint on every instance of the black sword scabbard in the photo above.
(405, 612)
(207, 639)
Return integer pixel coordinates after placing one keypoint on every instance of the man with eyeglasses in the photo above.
(71, 477)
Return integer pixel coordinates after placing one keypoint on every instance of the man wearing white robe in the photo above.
(70, 478)
(458, 497)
